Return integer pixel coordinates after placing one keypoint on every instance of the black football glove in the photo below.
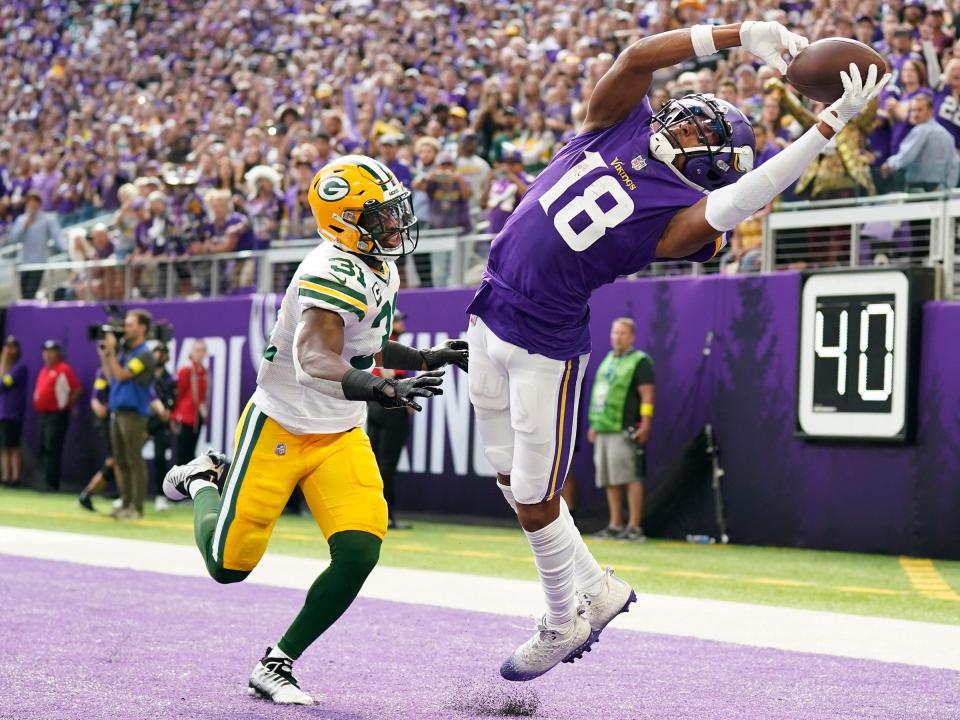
(425, 385)
(452, 352)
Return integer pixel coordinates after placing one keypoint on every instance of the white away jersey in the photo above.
(335, 280)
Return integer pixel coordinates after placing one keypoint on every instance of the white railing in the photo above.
(899, 229)
(895, 229)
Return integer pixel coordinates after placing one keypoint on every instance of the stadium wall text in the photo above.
(725, 353)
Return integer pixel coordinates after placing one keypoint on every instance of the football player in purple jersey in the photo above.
(632, 187)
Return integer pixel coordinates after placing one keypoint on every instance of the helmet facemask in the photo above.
(389, 228)
(708, 164)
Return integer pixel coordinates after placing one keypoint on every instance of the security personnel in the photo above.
(129, 368)
(621, 414)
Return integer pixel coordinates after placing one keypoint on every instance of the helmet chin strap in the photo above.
(663, 150)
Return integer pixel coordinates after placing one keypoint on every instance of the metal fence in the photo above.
(898, 229)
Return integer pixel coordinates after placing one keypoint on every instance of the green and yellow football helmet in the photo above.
(361, 207)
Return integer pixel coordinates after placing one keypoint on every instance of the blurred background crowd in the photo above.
(197, 126)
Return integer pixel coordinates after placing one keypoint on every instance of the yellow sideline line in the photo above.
(926, 580)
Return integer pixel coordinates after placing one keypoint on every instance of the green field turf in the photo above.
(841, 582)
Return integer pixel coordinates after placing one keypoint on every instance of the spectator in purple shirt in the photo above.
(227, 231)
(13, 403)
(505, 187)
(389, 147)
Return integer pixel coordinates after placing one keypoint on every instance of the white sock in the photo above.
(508, 494)
(276, 652)
(196, 486)
(553, 552)
(586, 571)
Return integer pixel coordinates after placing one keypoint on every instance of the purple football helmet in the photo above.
(727, 144)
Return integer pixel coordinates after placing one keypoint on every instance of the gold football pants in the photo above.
(337, 473)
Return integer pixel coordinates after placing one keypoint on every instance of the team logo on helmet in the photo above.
(333, 189)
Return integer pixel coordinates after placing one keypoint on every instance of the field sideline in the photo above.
(903, 588)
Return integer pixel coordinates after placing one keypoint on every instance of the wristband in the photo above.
(646, 410)
(702, 38)
(360, 385)
(400, 357)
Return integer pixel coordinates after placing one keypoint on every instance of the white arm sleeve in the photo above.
(731, 205)
(331, 388)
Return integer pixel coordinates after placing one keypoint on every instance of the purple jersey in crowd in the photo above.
(596, 212)
(946, 109)
(13, 392)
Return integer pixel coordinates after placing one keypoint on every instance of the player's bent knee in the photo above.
(354, 554)
(227, 577)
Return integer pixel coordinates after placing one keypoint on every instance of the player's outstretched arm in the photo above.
(317, 348)
(724, 209)
(400, 357)
(625, 84)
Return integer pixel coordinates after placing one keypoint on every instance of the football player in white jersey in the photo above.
(304, 424)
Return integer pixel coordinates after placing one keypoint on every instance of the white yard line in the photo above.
(915, 643)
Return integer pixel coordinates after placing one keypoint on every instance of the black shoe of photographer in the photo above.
(394, 524)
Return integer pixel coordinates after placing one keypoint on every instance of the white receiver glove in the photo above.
(856, 94)
(769, 40)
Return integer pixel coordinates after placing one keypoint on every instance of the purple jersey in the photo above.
(946, 110)
(13, 392)
(595, 213)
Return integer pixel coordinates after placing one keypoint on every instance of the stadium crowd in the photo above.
(199, 125)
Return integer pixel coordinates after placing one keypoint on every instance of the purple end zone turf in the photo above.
(89, 643)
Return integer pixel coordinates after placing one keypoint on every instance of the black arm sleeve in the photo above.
(401, 357)
(360, 385)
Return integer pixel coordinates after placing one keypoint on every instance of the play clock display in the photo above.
(859, 342)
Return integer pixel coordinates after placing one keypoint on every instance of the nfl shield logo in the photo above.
(638, 163)
(281, 449)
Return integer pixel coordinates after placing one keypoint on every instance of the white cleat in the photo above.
(206, 469)
(547, 648)
(273, 679)
(613, 598)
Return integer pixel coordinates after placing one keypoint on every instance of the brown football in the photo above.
(815, 72)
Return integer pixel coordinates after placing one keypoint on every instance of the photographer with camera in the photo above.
(128, 366)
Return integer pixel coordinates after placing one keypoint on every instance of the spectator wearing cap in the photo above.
(927, 156)
(388, 431)
(13, 405)
(55, 393)
(902, 50)
(505, 188)
(941, 40)
(389, 149)
(472, 168)
(913, 12)
(864, 29)
(35, 230)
